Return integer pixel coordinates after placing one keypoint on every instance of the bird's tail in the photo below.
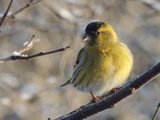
(66, 83)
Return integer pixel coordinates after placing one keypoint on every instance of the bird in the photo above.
(104, 63)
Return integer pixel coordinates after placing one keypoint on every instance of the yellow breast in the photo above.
(111, 66)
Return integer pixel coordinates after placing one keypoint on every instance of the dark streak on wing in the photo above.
(80, 81)
(78, 57)
(77, 70)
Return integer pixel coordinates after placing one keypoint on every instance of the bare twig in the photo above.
(19, 55)
(155, 114)
(28, 45)
(12, 15)
(31, 3)
(39, 54)
(5, 14)
(16, 56)
(110, 101)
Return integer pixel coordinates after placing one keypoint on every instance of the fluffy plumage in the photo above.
(103, 63)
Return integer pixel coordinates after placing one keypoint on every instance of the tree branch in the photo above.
(26, 57)
(19, 55)
(12, 15)
(110, 101)
(31, 3)
(5, 14)
(155, 114)
(38, 54)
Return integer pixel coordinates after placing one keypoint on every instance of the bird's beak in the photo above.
(87, 38)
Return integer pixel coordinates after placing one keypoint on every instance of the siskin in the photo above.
(103, 63)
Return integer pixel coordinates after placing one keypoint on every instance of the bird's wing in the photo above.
(78, 57)
(66, 83)
(77, 62)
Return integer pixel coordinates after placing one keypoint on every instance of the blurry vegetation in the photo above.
(29, 90)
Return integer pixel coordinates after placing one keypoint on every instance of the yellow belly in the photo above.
(105, 71)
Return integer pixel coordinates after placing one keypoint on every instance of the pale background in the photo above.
(29, 90)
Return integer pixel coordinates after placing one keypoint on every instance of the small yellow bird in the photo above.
(103, 63)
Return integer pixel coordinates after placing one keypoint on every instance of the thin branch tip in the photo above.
(67, 47)
(18, 55)
(155, 114)
(5, 14)
(31, 2)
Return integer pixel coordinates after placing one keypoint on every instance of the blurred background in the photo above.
(29, 90)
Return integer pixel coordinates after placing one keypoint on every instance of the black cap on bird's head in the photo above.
(93, 27)
(94, 34)
(91, 32)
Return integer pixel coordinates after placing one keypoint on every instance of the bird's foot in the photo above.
(114, 90)
(95, 99)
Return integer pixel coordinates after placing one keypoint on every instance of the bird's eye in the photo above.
(97, 33)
